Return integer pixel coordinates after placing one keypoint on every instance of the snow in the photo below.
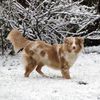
(14, 86)
(93, 49)
(85, 81)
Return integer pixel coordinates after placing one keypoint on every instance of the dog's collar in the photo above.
(20, 50)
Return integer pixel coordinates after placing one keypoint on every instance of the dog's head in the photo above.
(74, 44)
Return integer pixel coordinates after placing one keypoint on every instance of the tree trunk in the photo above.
(2, 42)
(98, 8)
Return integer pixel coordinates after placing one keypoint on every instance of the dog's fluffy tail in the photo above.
(17, 40)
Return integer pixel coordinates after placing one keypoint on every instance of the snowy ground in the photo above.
(13, 85)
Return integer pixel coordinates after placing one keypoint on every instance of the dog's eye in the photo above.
(77, 43)
(70, 43)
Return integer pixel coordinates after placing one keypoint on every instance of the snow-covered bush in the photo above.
(50, 20)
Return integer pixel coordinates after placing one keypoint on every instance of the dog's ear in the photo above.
(80, 39)
(66, 40)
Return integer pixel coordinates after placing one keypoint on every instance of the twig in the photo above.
(88, 24)
(93, 33)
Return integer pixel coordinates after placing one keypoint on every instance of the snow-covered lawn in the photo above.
(84, 85)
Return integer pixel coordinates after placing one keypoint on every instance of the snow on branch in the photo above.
(50, 20)
(93, 35)
(91, 21)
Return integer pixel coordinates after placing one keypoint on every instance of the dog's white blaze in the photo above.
(74, 45)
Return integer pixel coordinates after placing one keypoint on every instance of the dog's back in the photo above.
(43, 53)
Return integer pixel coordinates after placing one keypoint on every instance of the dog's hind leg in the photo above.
(31, 64)
(38, 69)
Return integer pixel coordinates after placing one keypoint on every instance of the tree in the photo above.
(50, 20)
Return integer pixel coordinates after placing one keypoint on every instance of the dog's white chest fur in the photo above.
(70, 58)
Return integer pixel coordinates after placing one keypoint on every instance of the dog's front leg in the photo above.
(65, 68)
(65, 72)
(30, 65)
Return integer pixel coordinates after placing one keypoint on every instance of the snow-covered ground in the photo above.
(84, 85)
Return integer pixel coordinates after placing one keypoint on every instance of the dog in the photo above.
(38, 53)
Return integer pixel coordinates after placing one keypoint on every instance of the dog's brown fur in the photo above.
(38, 53)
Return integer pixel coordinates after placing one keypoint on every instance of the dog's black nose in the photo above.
(74, 47)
